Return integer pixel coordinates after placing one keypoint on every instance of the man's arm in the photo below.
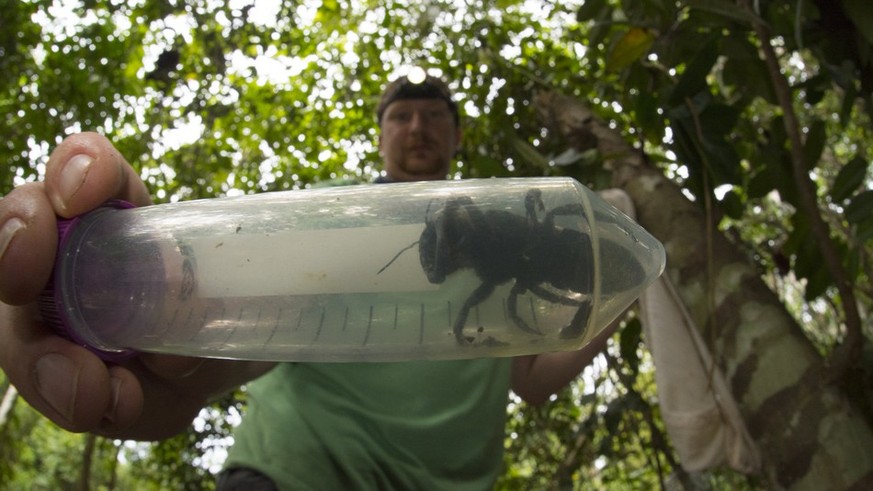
(535, 378)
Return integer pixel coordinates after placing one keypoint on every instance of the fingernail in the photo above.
(57, 380)
(73, 176)
(8, 232)
(116, 390)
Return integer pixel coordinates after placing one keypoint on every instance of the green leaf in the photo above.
(729, 10)
(529, 153)
(816, 283)
(849, 179)
(718, 119)
(570, 157)
(864, 230)
(760, 184)
(700, 140)
(732, 204)
(646, 111)
(591, 10)
(862, 16)
(861, 207)
(632, 45)
(815, 142)
(630, 338)
(803, 246)
(693, 79)
(848, 105)
(815, 88)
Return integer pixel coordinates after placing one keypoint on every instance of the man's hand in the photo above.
(149, 397)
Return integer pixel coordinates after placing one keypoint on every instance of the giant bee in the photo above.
(551, 262)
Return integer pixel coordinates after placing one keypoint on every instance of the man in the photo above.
(420, 130)
(308, 426)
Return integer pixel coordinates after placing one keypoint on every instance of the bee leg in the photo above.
(555, 298)
(579, 325)
(570, 209)
(512, 310)
(533, 200)
(479, 295)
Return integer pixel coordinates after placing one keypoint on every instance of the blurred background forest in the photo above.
(752, 116)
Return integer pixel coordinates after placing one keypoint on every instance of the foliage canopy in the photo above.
(210, 98)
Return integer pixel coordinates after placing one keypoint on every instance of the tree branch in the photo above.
(845, 356)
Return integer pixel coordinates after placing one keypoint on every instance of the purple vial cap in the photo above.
(51, 303)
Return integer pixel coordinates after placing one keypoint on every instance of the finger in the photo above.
(126, 401)
(171, 366)
(85, 170)
(66, 382)
(28, 239)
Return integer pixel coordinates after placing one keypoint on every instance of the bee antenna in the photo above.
(410, 246)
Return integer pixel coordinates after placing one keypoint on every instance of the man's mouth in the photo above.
(420, 143)
(420, 147)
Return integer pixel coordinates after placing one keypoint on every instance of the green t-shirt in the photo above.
(414, 425)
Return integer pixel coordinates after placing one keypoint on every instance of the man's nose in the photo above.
(418, 121)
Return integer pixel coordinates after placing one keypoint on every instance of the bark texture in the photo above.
(808, 432)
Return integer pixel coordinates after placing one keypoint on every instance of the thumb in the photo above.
(85, 170)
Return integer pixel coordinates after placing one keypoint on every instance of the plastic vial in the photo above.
(381, 272)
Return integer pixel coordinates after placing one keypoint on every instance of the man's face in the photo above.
(419, 139)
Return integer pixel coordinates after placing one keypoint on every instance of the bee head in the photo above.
(440, 247)
(431, 246)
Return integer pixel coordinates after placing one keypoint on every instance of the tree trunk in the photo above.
(113, 466)
(87, 459)
(808, 432)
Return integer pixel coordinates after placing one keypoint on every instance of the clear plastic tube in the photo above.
(430, 270)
